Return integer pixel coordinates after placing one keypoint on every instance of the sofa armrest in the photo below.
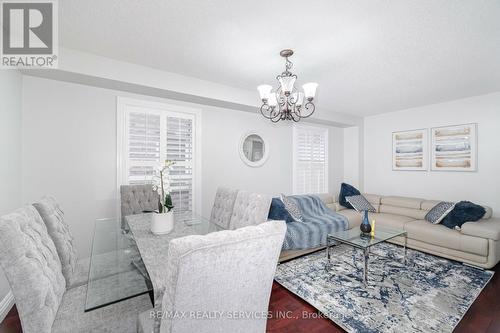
(489, 228)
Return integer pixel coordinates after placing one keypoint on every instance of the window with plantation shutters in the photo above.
(310, 169)
(144, 139)
(179, 140)
(151, 135)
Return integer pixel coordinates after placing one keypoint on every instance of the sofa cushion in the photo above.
(336, 206)
(374, 199)
(353, 217)
(489, 212)
(326, 198)
(333, 206)
(438, 234)
(429, 204)
(402, 202)
(486, 229)
(416, 214)
(390, 220)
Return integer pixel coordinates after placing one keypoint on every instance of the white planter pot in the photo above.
(162, 223)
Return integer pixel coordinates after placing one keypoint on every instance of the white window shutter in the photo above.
(153, 136)
(310, 160)
(143, 153)
(180, 146)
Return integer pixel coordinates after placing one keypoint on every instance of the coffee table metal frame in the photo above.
(354, 238)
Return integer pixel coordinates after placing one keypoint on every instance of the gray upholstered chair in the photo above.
(75, 271)
(249, 209)
(223, 207)
(223, 272)
(138, 198)
(31, 264)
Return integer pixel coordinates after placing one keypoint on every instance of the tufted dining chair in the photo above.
(223, 272)
(223, 207)
(33, 269)
(136, 199)
(75, 271)
(249, 209)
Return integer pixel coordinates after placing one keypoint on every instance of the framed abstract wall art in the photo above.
(410, 150)
(454, 148)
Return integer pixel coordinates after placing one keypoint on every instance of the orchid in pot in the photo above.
(163, 221)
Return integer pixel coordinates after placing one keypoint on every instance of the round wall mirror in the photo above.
(253, 149)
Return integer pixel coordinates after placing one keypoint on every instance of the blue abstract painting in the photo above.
(454, 148)
(410, 150)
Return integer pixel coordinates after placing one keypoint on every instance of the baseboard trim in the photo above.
(5, 305)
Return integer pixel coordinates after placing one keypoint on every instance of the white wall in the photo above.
(482, 186)
(351, 156)
(221, 164)
(10, 148)
(69, 138)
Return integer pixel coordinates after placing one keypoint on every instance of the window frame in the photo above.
(122, 106)
(295, 132)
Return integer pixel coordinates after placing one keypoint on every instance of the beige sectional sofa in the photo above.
(477, 244)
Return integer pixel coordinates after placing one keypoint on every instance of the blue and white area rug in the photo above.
(429, 294)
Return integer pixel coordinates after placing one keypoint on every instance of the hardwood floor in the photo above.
(11, 323)
(293, 315)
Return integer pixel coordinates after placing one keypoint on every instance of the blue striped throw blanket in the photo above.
(319, 220)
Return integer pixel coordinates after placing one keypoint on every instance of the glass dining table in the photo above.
(130, 261)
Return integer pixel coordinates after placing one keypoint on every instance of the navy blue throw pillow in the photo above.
(347, 190)
(464, 211)
(278, 211)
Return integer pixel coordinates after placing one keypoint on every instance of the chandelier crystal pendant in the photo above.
(286, 102)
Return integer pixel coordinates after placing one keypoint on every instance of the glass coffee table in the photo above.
(354, 238)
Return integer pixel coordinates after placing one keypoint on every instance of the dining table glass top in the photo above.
(117, 270)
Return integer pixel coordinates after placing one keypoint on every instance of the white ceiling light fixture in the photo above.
(286, 102)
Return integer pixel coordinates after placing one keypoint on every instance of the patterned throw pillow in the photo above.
(439, 212)
(292, 208)
(360, 203)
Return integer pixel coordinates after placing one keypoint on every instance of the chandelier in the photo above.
(286, 102)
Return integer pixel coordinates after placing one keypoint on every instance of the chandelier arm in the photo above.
(296, 111)
(276, 119)
(274, 113)
(266, 108)
(294, 115)
(310, 108)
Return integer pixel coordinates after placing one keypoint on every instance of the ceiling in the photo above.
(368, 57)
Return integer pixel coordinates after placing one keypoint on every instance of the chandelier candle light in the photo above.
(287, 103)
